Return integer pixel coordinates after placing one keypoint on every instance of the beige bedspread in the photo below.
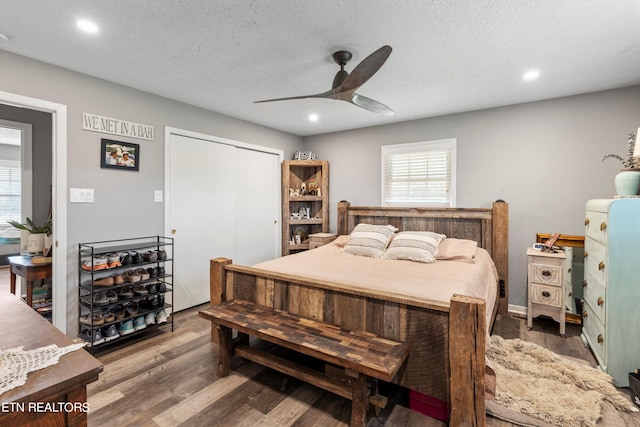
(430, 285)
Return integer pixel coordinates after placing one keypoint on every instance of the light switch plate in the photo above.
(81, 195)
(157, 195)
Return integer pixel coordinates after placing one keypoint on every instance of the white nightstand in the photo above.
(546, 286)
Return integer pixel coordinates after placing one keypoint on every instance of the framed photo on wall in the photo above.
(119, 155)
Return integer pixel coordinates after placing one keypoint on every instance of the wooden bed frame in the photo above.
(447, 342)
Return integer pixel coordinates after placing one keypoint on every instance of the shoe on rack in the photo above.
(126, 327)
(98, 262)
(113, 260)
(110, 333)
(104, 282)
(94, 319)
(161, 271)
(119, 312)
(118, 279)
(162, 287)
(125, 292)
(112, 296)
(139, 323)
(160, 300)
(140, 290)
(161, 317)
(108, 317)
(144, 274)
(131, 276)
(131, 308)
(136, 257)
(162, 255)
(94, 338)
(150, 319)
(150, 256)
(100, 298)
(152, 288)
(153, 272)
(125, 258)
(150, 302)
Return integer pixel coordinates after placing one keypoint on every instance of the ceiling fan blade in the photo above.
(371, 105)
(366, 69)
(327, 94)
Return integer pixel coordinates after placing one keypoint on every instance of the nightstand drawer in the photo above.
(546, 295)
(547, 274)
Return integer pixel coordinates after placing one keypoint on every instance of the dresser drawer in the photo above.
(546, 295)
(595, 226)
(594, 332)
(546, 274)
(595, 260)
(594, 295)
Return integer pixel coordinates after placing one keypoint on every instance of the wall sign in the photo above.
(95, 123)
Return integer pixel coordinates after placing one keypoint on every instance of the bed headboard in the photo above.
(487, 226)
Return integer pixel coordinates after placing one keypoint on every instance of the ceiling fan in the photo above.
(345, 84)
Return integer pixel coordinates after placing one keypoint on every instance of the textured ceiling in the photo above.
(448, 55)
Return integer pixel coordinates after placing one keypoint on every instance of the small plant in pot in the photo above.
(36, 233)
(628, 179)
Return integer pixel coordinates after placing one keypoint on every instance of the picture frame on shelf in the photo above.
(119, 155)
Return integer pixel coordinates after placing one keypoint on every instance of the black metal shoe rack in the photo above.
(87, 290)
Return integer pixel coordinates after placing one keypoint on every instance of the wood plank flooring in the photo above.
(169, 380)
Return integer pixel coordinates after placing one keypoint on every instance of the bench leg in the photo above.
(225, 351)
(360, 401)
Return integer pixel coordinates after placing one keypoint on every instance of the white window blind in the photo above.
(419, 174)
(10, 189)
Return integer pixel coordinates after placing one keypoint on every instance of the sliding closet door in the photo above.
(258, 206)
(222, 201)
(201, 213)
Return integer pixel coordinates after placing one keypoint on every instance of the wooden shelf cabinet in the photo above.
(305, 202)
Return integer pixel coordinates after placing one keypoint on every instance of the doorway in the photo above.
(222, 200)
(58, 113)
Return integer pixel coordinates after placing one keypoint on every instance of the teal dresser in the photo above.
(611, 312)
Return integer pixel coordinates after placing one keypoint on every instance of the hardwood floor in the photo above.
(169, 380)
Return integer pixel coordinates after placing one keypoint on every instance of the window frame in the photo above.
(14, 169)
(413, 147)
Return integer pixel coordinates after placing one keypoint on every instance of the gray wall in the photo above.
(124, 205)
(544, 158)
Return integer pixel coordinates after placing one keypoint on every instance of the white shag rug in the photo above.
(536, 387)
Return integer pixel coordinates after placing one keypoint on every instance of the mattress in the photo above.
(424, 284)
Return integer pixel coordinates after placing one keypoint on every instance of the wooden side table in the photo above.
(23, 267)
(319, 239)
(63, 384)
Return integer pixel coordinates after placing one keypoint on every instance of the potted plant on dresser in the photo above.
(627, 181)
(36, 235)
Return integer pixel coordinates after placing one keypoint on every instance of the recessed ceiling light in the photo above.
(87, 26)
(313, 117)
(531, 75)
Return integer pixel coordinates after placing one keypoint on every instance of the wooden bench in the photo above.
(363, 355)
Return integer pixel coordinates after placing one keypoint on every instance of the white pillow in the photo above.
(369, 240)
(420, 246)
